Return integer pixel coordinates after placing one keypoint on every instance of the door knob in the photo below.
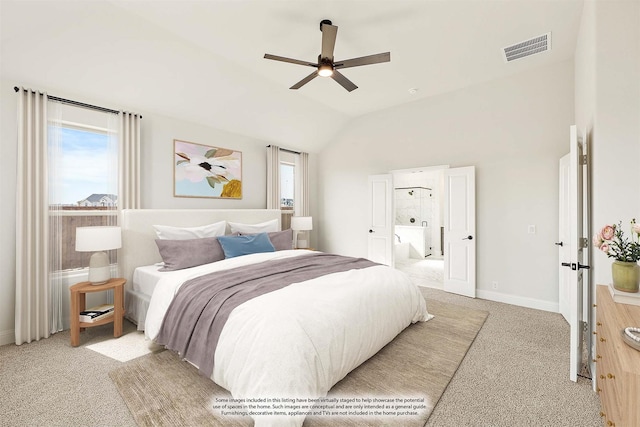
(575, 266)
(371, 231)
(468, 238)
(559, 244)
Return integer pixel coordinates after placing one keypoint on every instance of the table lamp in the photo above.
(301, 224)
(98, 240)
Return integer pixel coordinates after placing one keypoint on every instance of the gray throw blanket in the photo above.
(201, 307)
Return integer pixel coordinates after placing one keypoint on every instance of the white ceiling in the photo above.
(202, 61)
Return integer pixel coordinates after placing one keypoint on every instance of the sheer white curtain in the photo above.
(82, 154)
(302, 185)
(273, 177)
(129, 163)
(55, 212)
(32, 310)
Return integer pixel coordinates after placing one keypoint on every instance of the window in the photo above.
(287, 183)
(83, 179)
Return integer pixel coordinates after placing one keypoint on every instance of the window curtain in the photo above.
(129, 161)
(32, 310)
(273, 177)
(54, 215)
(302, 189)
(123, 132)
(40, 217)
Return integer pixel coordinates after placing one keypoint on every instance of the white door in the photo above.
(460, 231)
(563, 237)
(381, 219)
(578, 224)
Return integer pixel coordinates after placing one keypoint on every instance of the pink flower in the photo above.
(597, 240)
(612, 241)
(608, 231)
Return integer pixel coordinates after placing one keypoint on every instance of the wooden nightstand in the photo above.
(78, 304)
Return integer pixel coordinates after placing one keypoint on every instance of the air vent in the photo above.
(527, 48)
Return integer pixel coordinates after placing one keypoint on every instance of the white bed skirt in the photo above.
(136, 306)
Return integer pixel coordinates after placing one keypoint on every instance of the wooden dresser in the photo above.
(617, 364)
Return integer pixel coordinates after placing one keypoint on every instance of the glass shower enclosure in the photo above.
(413, 206)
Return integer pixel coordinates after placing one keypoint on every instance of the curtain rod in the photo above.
(77, 103)
(287, 150)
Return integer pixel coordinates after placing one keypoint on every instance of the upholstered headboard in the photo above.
(138, 236)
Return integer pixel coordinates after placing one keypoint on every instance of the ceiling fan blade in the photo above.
(344, 82)
(329, 33)
(292, 61)
(364, 60)
(305, 80)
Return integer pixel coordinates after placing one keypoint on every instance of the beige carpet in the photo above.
(159, 389)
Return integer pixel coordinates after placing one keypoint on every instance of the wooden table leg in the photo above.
(75, 318)
(82, 297)
(118, 303)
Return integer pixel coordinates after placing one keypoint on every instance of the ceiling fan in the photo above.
(326, 66)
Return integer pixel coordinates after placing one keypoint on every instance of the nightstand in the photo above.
(78, 304)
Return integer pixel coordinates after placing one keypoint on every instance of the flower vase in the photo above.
(626, 276)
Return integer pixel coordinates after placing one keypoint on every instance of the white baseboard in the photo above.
(538, 304)
(7, 337)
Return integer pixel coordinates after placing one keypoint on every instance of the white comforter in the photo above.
(301, 340)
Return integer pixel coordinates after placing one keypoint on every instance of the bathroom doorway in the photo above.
(418, 227)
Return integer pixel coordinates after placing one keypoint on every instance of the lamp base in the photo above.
(99, 269)
(301, 241)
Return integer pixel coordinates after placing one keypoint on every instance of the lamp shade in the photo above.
(301, 223)
(92, 239)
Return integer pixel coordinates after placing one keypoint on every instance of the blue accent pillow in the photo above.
(234, 246)
(281, 240)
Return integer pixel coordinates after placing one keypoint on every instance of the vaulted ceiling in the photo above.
(202, 61)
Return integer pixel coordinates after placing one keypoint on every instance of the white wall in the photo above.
(8, 125)
(513, 130)
(158, 133)
(157, 164)
(607, 100)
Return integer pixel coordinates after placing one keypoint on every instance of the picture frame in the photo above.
(206, 171)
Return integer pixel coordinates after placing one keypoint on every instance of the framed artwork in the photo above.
(205, 171)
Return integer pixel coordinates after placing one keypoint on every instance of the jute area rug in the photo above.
(162, 390)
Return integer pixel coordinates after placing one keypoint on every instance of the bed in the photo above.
(139, 251)
(296, 341)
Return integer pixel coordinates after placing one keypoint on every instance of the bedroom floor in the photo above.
(426, 272)
(515, 373)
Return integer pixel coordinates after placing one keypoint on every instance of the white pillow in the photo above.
(183, 233)
(263, 227)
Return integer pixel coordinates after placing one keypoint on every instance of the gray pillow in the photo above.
(179, 254)
(281, 240)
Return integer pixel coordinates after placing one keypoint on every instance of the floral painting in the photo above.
(206, 171)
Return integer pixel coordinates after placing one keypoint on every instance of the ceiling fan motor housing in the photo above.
(325, 21)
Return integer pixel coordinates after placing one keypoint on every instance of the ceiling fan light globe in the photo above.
(325, 71)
